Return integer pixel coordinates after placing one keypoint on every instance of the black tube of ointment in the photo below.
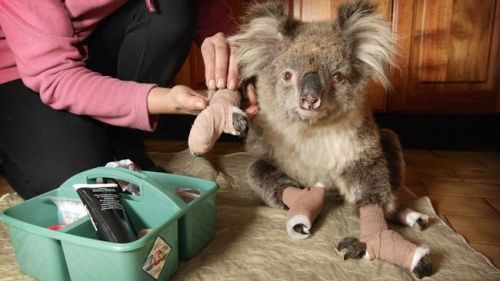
(106, 212)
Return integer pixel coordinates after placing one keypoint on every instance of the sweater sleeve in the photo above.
(213, 16)
(50, 61)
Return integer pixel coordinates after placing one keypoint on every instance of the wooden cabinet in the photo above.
(448, 54)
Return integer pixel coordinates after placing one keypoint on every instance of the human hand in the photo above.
(176, 100)
(221, 69)
(220, 63)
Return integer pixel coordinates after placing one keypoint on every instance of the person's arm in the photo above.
(50, 61)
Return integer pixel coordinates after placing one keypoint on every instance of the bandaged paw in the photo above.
(299, 226)
(214, 120)
(383, 243)
(304, 206)
(416, 220)
(390, 246)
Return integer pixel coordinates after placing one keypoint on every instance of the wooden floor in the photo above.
(464, 188)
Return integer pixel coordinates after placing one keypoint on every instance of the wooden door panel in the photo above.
(470, 40)
(313, 10)
(448, 56)
(454, 40)
(432, 45)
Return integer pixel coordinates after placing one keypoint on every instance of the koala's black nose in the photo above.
(310, 94)
(311, 85)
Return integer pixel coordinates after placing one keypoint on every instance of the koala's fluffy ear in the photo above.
(265, 27)
(371, 36)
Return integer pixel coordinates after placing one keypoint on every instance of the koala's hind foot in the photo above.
(355, 249)
(379, 242)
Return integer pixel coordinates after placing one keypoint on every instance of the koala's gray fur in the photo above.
(315, 124)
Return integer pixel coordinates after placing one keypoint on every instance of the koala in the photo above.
(315, 124)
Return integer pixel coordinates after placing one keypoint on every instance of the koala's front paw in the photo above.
(354, 248)
(240, 123)
(299, 227)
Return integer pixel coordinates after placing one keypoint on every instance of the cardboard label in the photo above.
(156, 258)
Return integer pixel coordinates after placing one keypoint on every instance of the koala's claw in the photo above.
(301, 228)
(421, 223)
(346, 242)
(423, 268)
(355, 248)
(417, 220)
(240, 124)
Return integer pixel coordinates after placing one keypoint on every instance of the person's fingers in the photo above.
(232, 71)
(196, 100)
(176, 100)
(252, 95)
(208, 54)
(190, 101)
(251, 111)
(253, 107)
(200, 94)
(221, 63)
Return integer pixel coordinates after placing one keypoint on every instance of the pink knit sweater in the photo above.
(41, 43)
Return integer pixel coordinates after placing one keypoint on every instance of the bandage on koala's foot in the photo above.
(214, 120)
(304, 206)
(383, 243)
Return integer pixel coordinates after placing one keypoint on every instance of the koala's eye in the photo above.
(337, 78)
(287, 76)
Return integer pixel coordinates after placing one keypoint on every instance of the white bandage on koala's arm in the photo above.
(213, 121)
(304, 206)
(383, 243)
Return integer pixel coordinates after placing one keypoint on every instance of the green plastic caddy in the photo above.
(75, 253)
